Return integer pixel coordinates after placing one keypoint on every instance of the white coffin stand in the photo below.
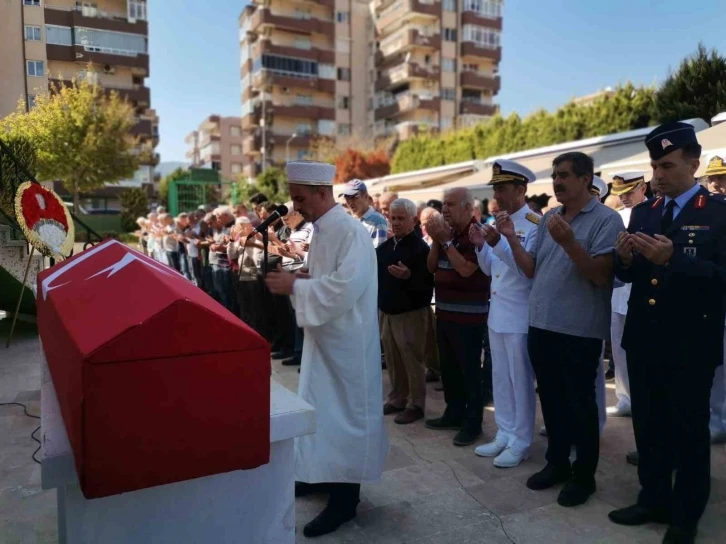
(251, 506)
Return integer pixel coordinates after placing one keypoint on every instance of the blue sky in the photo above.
(552, 50)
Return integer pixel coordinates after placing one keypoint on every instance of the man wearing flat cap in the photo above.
(630, 188)
(337, 306)
(716, 173)
(674, 254)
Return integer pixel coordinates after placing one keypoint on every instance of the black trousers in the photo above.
(566, 367)
(248, 301)
(460, 349)
(670, 403)
(284, 336)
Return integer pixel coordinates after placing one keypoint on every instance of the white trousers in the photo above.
(622, 383)
(718, 400)
(600, 397)
(513, 385)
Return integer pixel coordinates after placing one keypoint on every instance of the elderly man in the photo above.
(569, 318)
(337, 306)
(462, 304)
(221, 270)
(405, 287)
(386, 200)
(674, 254)
(513, 383)
(716, 173)
(630, 188)
(376, 198)
(355, 193)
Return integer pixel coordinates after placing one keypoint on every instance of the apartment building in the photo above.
(217, 145)
(329, 68)
(104, 41)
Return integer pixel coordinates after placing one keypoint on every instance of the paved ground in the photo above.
(431, 492)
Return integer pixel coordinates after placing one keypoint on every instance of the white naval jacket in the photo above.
(621, 291)
(510, 288)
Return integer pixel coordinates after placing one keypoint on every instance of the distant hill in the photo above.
(166, 168)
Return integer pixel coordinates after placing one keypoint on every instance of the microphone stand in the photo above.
(265, 242)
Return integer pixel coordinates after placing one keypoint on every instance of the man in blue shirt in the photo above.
(674, 254)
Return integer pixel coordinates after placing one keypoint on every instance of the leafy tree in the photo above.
(696, 90)
(24, 152)
(355, 164)
(273, 183)
(179, 173)
(134, 204)
(81, 136)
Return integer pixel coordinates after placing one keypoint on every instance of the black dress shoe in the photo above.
(675, 535)
(637, 515)
(465, 437)
(328, 521)
(292, 361)
(303, 489)
(575, 493)
(443, 423)
(431, 376)
(389, 409)
(549, 476)
(282, 354)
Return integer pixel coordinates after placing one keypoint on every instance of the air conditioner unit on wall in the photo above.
(108, 69)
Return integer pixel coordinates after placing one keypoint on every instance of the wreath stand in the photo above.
(20, 297)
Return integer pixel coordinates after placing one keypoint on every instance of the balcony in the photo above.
(136, 94)
(476, 18)
(327, 3)
(395, 12)
(406, 102)
(79, 53)
(302, 112)
(474, 80)
(473, 49)
(292, 80)
(253, 144)
(314, 54)
(142, 128)
(475, 107)
(94, 18)
(406, 72)
(411, 39)
(263, 17)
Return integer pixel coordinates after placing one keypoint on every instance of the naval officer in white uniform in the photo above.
(513, 376)
(630, 187)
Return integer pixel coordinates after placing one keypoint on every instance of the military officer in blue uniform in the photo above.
(674, 254)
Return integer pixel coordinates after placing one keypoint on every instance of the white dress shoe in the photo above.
(509, 458)
(620, 410)
(492, 449)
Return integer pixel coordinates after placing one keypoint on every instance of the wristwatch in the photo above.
(446, 245)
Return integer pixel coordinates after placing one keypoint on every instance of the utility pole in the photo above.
(287, 147)
(264, 132)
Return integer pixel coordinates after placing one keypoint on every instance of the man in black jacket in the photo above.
(674, 254)
(405, 287)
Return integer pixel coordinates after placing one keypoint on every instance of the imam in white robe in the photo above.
(340, 373)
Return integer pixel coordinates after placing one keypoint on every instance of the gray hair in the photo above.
(407, 205)
(160, 210)
(466, 197)
(222, 210)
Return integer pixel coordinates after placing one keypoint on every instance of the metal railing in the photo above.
(18, 175)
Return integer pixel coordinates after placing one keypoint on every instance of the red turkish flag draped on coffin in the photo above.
(157, 383)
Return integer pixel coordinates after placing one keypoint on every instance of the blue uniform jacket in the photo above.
(679, 305)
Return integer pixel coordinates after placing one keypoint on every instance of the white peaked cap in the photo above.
(600, 185)
(504, 171)
(310, 173)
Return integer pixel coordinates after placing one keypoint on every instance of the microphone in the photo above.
(279, 212)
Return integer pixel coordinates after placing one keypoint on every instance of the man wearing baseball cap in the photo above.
(355, 193)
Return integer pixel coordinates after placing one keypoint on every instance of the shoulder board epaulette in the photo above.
(717, 197)
(533, 217)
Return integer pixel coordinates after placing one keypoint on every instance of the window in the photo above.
(449, 5)
(447, 93)
(299, 67)
(326, 71)
(342, 45)
(326, 127)
(427, 60)
(448, 65)
(235, 131)
(31, 2)
(304, 14)
(303, 43)
(91, 77)
(342, 16)
(236, 168)
(344, 102)
(137, 10)
(486, 8)
(304, 99)
(32, 33)
(31, 101)
(343, 129)
(58, 35)
(303, 128)
(483, 37)
(469, 67)
(35, 68)
(450, 34)
(235, 149)
(343, 74)
(116, 43)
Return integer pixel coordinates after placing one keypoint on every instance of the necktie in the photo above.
(667, 219)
